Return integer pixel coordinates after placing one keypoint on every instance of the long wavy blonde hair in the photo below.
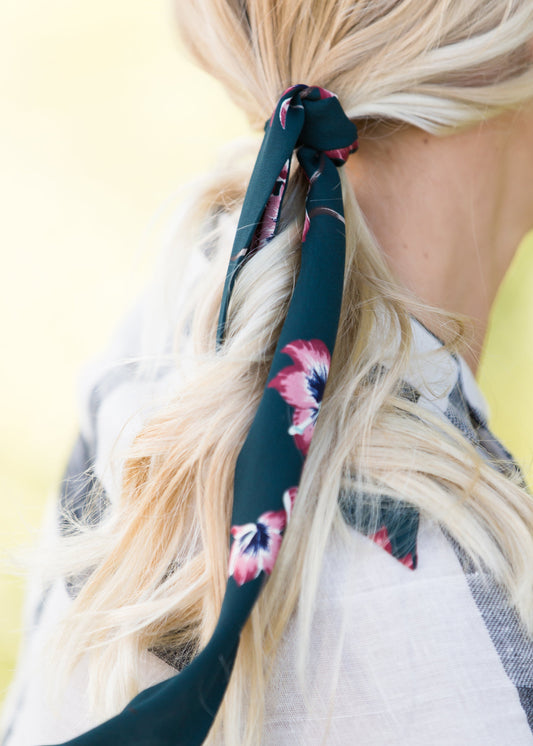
(159, 560)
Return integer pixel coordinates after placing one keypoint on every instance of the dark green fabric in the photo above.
(180, 711)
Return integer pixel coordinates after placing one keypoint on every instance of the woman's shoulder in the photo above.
(401, 656)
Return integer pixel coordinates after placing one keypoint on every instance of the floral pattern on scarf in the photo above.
(302, 386)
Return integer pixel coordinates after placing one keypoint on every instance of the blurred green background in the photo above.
(102, 120)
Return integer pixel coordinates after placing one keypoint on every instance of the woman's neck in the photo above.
(449, 212)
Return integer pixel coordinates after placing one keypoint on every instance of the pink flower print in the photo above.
(285, 106)
(302, 386)
(267, 227)
(381, 538)
(289, 497)
(289, 92)
(256, 546)
(340, 155)
(307, 225)
(324, 93)
(408, 561)
(283, 112)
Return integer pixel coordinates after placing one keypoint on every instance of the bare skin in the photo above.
(450, 212)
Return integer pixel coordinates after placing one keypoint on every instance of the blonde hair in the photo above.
(159, 561)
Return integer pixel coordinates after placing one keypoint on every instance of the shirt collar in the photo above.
(435, 372)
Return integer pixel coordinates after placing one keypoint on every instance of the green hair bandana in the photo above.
(310, 120)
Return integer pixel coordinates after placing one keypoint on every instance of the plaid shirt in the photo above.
(437, 381)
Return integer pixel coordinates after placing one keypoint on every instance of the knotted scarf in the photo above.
(310, 120)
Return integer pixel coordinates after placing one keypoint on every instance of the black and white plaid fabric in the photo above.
(424, 650)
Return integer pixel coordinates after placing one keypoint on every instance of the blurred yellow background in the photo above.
(102, 120)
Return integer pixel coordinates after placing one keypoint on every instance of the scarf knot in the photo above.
(310, 120)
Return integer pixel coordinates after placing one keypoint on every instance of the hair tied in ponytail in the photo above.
(269, 466)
